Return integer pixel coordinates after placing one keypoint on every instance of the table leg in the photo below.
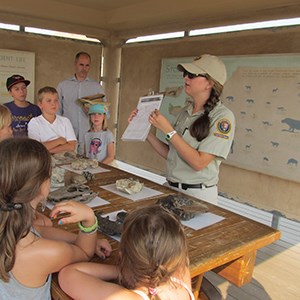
(239, 271)
(203, 289)
(196, 283)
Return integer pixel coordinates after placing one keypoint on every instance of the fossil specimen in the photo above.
(84, 177)
(88, 175)
(78, 179)
(82, 164)
(76, 192)
(182, 206)
(57, 177)
(110, 227)
(129, 185)
(64, 157)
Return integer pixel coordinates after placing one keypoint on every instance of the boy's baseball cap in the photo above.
(206, 64)
(98, 109)
(11, 81)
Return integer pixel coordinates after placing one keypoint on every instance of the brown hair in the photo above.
(5, 116)
(46, 90)
(153, 247)
(24, 165)
(200, 128)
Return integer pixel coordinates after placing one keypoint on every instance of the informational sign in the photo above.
(263, 91)
(20, 63)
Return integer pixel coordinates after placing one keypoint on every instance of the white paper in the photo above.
(143, 194)
(202, 221)
(91, 170)
(139, 127)
(97, 201)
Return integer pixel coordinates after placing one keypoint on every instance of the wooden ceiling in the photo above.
(131, 18)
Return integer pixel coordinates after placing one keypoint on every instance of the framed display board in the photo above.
(263, 91)
(16, 62)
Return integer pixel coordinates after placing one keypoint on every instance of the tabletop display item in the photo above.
(76, 192)
(57, 177)
(182, 206)
(83, 164)
(129, 185)
(110, 227)
(82, 178)
(65, 157)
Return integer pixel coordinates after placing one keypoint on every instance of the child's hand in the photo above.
(103, 248)
(132, 115)
(62, 140)
(77, 212)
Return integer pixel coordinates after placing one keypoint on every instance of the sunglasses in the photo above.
(192, 76)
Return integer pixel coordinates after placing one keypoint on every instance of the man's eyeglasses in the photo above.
(192, 76)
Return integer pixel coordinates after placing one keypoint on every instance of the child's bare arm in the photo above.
(41, 220)
(68, 146)
(110, 154)
(54, 143)
(102, 249)
(88, 281)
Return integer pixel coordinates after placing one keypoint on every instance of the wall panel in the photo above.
(140, 72)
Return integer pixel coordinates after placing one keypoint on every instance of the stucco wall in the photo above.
(54, 57)
(140, 72)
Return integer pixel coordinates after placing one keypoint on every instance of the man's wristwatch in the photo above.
(169, 135)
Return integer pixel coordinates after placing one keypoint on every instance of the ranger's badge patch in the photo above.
(223, 128)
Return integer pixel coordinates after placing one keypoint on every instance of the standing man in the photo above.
(78, 86)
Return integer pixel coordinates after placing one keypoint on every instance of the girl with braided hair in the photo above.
(153, 263)
(30, 253)
(202, 134)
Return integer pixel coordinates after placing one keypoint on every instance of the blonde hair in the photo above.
(5, 116)
(153, 247)
(25, 165)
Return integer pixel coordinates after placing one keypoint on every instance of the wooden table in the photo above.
(227, 248)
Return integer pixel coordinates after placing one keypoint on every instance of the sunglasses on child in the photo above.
(192, 76)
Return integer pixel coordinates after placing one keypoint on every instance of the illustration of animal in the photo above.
(230, 98)
(281, 108)
(275, 144)
(250, 101)
(267, 123)
(292, 161)
(292, 123)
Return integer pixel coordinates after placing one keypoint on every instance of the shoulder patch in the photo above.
(224, 126)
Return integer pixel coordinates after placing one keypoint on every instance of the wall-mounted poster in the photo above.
(16, 62)
(263, 92)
